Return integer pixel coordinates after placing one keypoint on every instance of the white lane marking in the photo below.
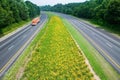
(109, 45)
(11, 47)
(24, 36)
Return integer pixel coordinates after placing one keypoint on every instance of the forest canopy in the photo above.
(100, 10)
(14, 11)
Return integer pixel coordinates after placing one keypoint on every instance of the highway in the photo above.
(11, 47)
(105, 43)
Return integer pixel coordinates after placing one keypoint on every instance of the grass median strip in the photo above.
(56, 56)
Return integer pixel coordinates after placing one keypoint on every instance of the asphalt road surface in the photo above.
(12, 45)
(107, 44)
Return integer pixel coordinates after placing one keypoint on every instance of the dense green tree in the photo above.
(46, 8)
(33, 9)
(113, 12)
(23, 11)
(12, 11)
(3, 14)
(6, 13)
(102, 11)
(14, 8)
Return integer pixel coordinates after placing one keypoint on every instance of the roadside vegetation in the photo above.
(53, 56)
(15, 13)
(105, 13)
(56, 56)
(40, 53)
(101, 67)
(13, 27)
(16, 70)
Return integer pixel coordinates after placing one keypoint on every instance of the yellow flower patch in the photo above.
(56, 56)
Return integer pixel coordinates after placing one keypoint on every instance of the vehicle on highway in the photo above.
(35, 21)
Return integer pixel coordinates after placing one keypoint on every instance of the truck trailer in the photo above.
(35, 21)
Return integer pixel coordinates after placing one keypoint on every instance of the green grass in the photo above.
(99, 64)
(56, 56)
(21, 61)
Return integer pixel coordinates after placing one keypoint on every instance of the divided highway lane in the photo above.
(107, 44)
(10, 46)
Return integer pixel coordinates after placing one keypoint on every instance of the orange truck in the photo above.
(35, 21)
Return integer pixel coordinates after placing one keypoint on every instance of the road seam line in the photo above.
(11, 47)
(109, 45)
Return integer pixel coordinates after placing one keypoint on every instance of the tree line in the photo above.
(99, 10)
(14, 11)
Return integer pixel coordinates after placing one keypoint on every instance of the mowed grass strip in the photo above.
(56, 56)
(101, 67)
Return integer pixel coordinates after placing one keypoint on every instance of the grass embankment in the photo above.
(56, 56)
(99, 64)
(12, 27)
